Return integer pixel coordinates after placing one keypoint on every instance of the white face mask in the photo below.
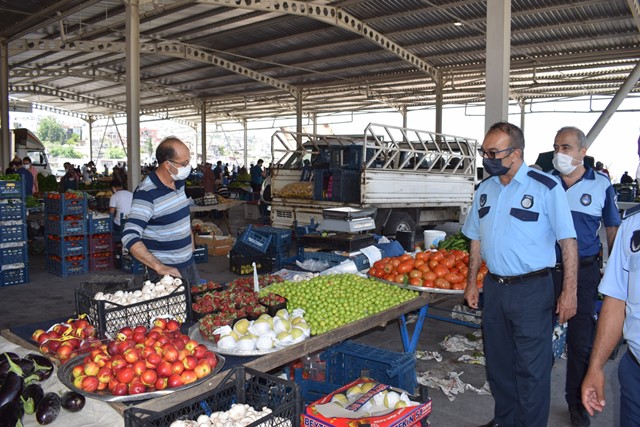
(563, 163)
(27, 166)
(183, 173)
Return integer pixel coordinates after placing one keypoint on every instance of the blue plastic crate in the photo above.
(62, 227)
(62, 246)
(252, 243)
(11, 189)
(64, 206)
(311, 390)
(13, 233)
(99, 225)
(349, 360)
(14, 276)
(66, 268)
(12, 210)
(201, 254)
(15, 254)
(131, 265)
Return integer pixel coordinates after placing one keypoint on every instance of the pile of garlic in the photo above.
(265, 333)
(239, 415)
(166, 286)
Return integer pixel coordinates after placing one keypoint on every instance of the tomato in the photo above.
(464, 270)
(436, 256)
(387, 268)
(452, 277)
(422, 256)
(440, 271)
(405, 266)
(424, 268)
(400, 278)
(395, 262)
(427, 283)
(405, 257)
(458, 254)
(419, 262)
(390, 277)
(441, 283)
(429, 275)
(459, 286)
(448, 261)
(415, 281)
(433, 263)
(415, 274)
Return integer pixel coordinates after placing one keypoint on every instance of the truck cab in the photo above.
(27, 144)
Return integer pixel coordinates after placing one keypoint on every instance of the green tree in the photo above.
(115, 153)
(67, 151)
(75, 138)
(51, 131)
(149, 147)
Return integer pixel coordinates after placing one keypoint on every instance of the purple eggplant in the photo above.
(72, 401)
(43, 366)
(48, 409)
(11, 388)
(31, 397)
(11, 414)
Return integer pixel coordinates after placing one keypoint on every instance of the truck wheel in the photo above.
(399, 221)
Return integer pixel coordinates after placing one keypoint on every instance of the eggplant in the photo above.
(11, 388)
(11, 355)
(31, 397)
(72, 401)
(11, 414)
(48, 409)
(43, 366)
(27, 366)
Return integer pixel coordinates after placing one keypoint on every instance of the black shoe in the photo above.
(579, 416)
(490, 424)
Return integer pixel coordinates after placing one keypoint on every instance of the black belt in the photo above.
(583, 262)
(633, 357)
(510, 280)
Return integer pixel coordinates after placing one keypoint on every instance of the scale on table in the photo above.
(347, 220)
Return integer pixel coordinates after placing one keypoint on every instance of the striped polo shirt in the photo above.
(160, 219)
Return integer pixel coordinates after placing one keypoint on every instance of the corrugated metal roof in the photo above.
(253, 59)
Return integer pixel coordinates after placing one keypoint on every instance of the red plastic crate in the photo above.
(103, 263)
(100, 243)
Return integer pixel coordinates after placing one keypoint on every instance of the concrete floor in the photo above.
(48, 297)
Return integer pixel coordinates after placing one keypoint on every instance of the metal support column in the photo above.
(439, 103)
(6, 153)
(496, 108)
(245, 137)
(299, 111)
(522, 103)
(90, 122)
(403, 111)
(203, 130)
(133, 92)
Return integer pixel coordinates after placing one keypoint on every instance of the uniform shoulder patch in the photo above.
(544, 179)
(630, 212)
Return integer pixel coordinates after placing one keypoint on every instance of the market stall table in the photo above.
(219, 207)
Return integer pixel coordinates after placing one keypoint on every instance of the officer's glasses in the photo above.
(491, 154)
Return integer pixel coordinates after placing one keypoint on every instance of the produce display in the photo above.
(455, 241)
(21, 393)
(64, 341)
(69, 194)
(442, 269)
(239, 415)
(142, 360)
(200, 227)
(335, 300)
(297, 190)
(166, 286)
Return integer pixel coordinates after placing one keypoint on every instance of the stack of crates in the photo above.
(100, 237)
(275, 243)
(65, 228)
(14, 267)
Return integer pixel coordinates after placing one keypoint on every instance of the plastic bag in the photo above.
(313, 265)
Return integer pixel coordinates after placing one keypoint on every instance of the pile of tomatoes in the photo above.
(443, 269)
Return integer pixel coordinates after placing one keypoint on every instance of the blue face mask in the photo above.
(494, 167)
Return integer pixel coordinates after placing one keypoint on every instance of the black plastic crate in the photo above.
(242, 264)
(241, 385)
(349, 157)
(12, 210)
(131, 265)
(109, 317)
(320, 184)
(345, 186)
(201, 254)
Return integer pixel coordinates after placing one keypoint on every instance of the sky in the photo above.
(616, 146)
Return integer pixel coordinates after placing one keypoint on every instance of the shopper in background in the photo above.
(71, 179)
(591, 199)
(517, 216)
(11, 169)
(257, 175)
(600, 169)
(26, 176)
(619, 316)
(158, 230)
(626, 178)
(26, 162)
(119, 205)
(208, 178)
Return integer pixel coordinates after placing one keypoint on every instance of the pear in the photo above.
(390, 399)
(400, 404)
(353, 392)
(365, 387)
(340, 399)
(241, 326)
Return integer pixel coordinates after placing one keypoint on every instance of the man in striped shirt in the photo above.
(158, 230)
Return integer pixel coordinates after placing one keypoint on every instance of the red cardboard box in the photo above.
(404, 417)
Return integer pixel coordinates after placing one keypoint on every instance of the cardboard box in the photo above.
(406, 417)
(251, 211)
(218, 245)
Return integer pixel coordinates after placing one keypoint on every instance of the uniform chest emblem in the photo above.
(635, 241)
(527, 201)
(585, 199)
(483, 200)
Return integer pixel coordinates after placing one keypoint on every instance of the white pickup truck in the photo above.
(411, 177)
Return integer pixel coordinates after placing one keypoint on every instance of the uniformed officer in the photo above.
(620, 313)
(591, 199)
(518, 214)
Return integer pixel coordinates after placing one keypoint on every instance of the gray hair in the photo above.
(582, 139)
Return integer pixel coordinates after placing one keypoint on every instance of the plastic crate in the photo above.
(100, 243)
(14, 276)
(626, 194)
(11, 189)
(131, 265)
(108, 317)
(15, 254)
(242, 264)
(104, 263)
(63, 247)
(345, 185)
(251, 242)
(241, 385)
(12, 210)
(99, 225)
(13, 232)
(349, 360)
(61, 227)
(320, 184)
(349, 157)
(64, 206)
(66, 268)
(201, 254)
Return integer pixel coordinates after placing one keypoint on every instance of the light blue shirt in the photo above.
(518, 224)
(622, 277)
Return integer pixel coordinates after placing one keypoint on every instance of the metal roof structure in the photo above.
(249, 59)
